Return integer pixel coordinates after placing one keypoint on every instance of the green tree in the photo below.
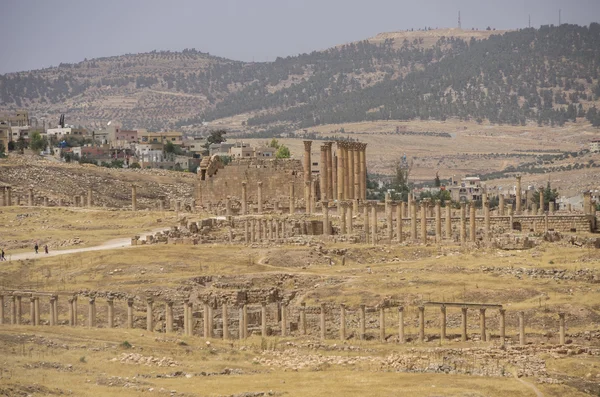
(135, 165)
(549, 195)
(21, 144)
(437, 181)
(1, 151)
(38, 143)
(282, 152)
(215, 136)
(274, 143)
(400, 182)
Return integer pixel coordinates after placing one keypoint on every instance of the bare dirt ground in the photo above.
(541, 282)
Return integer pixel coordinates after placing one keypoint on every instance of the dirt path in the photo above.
(108, 245)
(537, 392)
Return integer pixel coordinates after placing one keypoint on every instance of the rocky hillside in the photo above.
(547, 75)
(110, 186)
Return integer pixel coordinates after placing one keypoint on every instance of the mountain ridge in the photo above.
(376, 78)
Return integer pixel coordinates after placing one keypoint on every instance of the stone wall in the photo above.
(275, 174)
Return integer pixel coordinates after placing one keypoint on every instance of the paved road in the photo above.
(108, 245)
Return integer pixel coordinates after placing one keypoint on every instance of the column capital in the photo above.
(502, 311)
(400, 308)
(260, 183)
(561, 315)
(307, 145)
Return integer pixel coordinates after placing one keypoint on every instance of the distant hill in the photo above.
(548, 75)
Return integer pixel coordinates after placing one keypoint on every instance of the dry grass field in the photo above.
(543, 281)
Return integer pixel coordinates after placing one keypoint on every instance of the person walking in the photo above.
(46, 248)
(2, 257)
(36, 247)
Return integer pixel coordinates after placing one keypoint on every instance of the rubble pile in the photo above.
(135, 358)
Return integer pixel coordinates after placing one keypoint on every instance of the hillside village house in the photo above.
(61, 132)
(595, 146)
(160, 137)
(468, 189)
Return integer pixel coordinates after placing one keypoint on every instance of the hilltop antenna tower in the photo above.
(459, 24)
(559, 19)
(529, 20)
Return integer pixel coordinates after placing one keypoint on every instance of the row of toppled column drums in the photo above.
(209, 316)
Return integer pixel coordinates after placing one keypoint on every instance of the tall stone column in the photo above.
(19, 313)
(366, 224)
(30, 201)
(347, 171)
(75, 310)
(323, 188)
(448, 221)
(92, 312)
(225, 322)
(89, 197)
(245, 318)
(13, 310)
(207, 332)
(342, 322)
(482, 324)
(334, 176)
(518, 196)
(260, 197)
(551, 207)
(502, 326)
(13, 317)
(522, 328)
(323, 330)
(211, 317)
(244, 198)
(307, 161)
(382, 323)
(350, 168)
(438, 221)
(463, 324)
(303, 318)
(283, 319)
(463, 222)
(111, 313)
(36, 306)
(130, 313)
(71, 316)
(413, 221)
(401, 338)
(190, 315)
(190, 310)
(52, 312)
(374, 223)
(542, 206)
(363, 171)
(307, 198)
(424, 205)
(292, 209)
(399, 211)
(421, 324)
(263, 318)
(389, 223)
(241, 322)
(340, 170)
(169, 316)
(45, 201)
(186, 317)
(330, 171)
(133, 198)
(442, 323)
(325, 207)
(363, 322)
(356, 165)
(472, 233)
(349, 218)
(149, 318)
(501, 204)
(8, 196)
(486, 213)
(561, 328)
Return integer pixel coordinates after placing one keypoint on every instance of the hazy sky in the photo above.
(42, 33)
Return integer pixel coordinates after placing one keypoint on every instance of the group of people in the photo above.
(37, 247)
